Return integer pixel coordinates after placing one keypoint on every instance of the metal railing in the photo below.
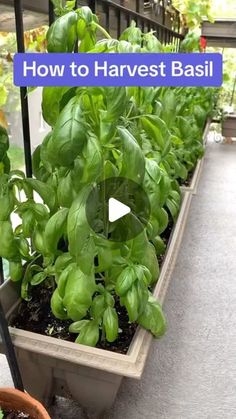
(115, 17)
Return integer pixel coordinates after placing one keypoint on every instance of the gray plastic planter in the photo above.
(91, 376)
(229, 126)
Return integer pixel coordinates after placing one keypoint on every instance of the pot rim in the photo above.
(11, 398)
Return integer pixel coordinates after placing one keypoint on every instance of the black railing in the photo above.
(115, 17)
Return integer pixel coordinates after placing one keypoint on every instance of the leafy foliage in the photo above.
(194, 11)
(149, 135)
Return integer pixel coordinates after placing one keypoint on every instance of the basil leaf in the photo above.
(89, 334)
(78, 229)
(44, 190)
(153, 319)
(51, 99)
(111, 325)
(134, 168)
(61, 35)
(69, 134)
(54, 230)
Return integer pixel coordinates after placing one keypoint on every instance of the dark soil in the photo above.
(127, 331)
(10, 414)
(36, 316)
(188, 181)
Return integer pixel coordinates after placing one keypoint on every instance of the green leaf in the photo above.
(115, 101)
(30, 268)
(62, 262)
(173, 207)
(15, 271)
(134, 168)
(169, 107)
(57, 3)
(65, 191)
(51, 99)
(23, 246)
(6, 206)
(8, 248)
(153, 318)
(149, 259)
(76, 327)
(131, 302)
(109, 300)
(125, 280)
(159, 245)
(58, 307)
(54, 230)
(38, 239)
(85, 258)
(165, 187)
(132, 34)
(89, 334)
(78, 229)
(98, 307)
(86, 14)
(63, 278)
(93, 161)
(38, 278)
(150, 125)
(44, 190)
(111, 324)
(70, 4)
(78, 293)
(61, 35)
(163, 219)
(40, 212)
(4, 142)
(151, 43)
(88, 41)
(153, 170)
(143, 295)
(69, 134)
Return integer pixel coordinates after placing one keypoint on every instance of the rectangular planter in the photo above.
(221, 33)
(225, 28)
(193, 187)
(229, 126)
(89, 375)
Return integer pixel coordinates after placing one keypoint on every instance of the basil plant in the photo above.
(151, 136)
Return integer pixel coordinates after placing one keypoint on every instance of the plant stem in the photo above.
(130, 110)
(136, 117)
(94, 110)
(101, 29)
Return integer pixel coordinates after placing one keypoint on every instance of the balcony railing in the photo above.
(115, 17)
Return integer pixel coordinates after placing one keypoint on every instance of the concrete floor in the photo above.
(191, 372)
(31, 19)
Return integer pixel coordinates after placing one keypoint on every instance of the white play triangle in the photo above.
(116, 210)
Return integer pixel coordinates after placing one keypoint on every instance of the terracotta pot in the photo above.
(11, 398)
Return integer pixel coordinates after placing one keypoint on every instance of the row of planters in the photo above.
(87, 289)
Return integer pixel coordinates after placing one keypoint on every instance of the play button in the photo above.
(117, 209)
